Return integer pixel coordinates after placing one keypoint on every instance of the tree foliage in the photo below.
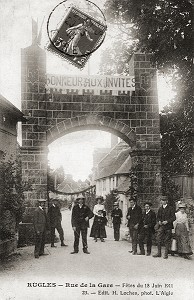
(176, 141)
(164, 29)
(116, 60)
(170, 189)
(160, 27)
(133, 188)
(12, 191)
(55, 177)
(109, 201)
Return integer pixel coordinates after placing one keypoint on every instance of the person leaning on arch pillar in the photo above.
(40, 222)
(54, 220)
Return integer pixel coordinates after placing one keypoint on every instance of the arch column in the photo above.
(34, 148)
(146, 158)
(146, 165)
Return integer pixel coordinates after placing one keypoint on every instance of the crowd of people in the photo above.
(143, 226)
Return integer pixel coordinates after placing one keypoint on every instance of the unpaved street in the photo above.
(109, 272)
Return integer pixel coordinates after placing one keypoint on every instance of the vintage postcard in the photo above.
(82, 213)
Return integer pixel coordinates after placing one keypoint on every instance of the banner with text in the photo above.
(108, 83)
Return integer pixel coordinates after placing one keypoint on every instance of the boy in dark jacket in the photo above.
(116, 216)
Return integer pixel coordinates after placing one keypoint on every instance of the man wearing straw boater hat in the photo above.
(165, 219)
(81, 214)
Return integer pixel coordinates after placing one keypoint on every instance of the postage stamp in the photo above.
(78, 36)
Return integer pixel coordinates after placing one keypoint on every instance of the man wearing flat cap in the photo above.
(81, 214)
(147, 229)
(116, 216)
(165, 218)
(39, 221)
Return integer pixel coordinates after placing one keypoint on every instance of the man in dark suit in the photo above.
(116, 216)
(134, 216)
(39, 221)
(55, 218)
(81, 214)
(147, 229)
(165, 218)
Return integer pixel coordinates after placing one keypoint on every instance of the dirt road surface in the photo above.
(109, 272)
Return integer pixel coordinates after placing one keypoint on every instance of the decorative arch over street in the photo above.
(131, 115)
(95, 122)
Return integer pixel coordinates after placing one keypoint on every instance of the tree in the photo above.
(176, 141)
(116, 60)
(60, 175)
(55, 177)
(50, 179)
(12, 204)
(160, 27)
(109, 201)
(164, 29)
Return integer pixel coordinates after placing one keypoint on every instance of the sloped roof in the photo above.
(113, 152)
(99, 154)
(68, 187)
(7, 105)
(125, 167)
(117, 161)
(124, 186)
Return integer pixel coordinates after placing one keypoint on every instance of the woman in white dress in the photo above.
(98, 228)
(181, 227)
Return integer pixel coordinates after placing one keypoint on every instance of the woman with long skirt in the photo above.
(181, 226)
(98, 228)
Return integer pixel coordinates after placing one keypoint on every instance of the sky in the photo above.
(15, 33)
(75, 150)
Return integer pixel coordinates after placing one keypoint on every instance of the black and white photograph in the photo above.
(96, 150)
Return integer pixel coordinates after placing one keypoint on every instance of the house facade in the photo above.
(112, 173)
(9, 117)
